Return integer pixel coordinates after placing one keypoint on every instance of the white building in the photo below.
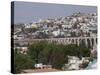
(73, 63)
(66, 26)
(56, 33)
(38, 66)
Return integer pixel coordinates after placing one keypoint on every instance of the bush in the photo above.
(23, 62)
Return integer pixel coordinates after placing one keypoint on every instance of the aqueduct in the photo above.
(88, 41)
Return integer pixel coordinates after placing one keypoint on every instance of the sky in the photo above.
(27, 12)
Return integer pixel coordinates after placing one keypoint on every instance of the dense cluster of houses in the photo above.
(76, 25)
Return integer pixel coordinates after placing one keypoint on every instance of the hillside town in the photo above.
(73, 26)
(77, 25)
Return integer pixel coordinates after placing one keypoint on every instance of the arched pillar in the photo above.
(91, 45)
(78, 41)
(75, 41)
(86, 43)
(95, 44)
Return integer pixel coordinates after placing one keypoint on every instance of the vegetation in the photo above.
(49, 53)
(22, 62)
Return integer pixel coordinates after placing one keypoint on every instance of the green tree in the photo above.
(58, 57)
(35, 49)
(22, 62)
(55, 54)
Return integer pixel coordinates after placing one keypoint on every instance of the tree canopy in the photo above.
(50, 54)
